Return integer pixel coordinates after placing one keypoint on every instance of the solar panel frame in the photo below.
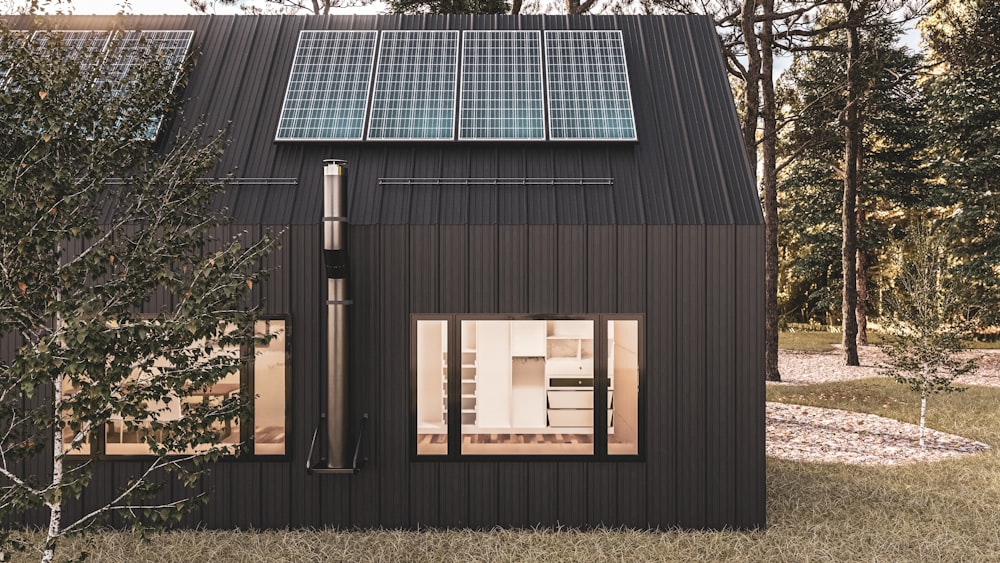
(469, 37)
(400, 105)
(365, 106)
(610, 58)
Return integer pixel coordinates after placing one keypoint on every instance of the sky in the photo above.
(177, 7)
(911, 38)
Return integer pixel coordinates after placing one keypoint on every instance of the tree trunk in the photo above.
(862, 308)
(751, 95)
(862, 258)
(55, 504)
(515, 7)
(923, 417)
(769, 179)
(849, 219)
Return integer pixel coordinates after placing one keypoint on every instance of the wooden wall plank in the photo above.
(661, 397)
(691, 346)
(394, 395)
(720, 366)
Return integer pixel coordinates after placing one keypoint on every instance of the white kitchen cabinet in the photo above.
(527, 339)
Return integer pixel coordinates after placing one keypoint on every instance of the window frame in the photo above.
(600, 388)
(246, 452)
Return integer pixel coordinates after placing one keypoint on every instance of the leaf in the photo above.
(42, 94)
(23, 287)
(46, 137)
(250, 284)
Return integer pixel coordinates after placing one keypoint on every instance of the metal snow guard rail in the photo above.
(496, 181)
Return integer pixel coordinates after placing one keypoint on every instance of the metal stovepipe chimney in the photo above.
(335, 255)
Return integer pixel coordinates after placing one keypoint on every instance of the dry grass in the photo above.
(944, 511)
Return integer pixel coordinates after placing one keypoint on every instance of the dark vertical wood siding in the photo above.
(699, 288)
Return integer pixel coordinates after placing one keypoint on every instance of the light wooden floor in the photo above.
(510, 439)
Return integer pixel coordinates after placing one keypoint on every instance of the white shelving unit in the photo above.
(569, 376)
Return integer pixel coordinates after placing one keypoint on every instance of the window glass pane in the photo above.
(269, 376)
(432, 387)
(623, 387)
(528, 387)
(127, 436)
(70, 435)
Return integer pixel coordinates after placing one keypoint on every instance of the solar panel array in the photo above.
(501, 86)
(588, 86)
(415, 84)
(89, 42)
(328, 88)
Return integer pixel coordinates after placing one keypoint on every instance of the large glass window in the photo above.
(267, 374)
(527, 386)
(270, 377)
(623, 387)
(432, 390)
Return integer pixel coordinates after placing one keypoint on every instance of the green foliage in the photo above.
(964, 128)
(99, 222)
(449, 6)
(926, 316)
(811, 187)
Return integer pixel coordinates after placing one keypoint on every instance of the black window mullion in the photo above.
(454, 386)
(600, 387)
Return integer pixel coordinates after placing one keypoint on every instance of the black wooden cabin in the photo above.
(481, 274)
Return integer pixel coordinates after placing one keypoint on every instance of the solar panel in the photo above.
(16, 36)
(172, 46)
(136, 46)
(415, 83)
(501, 95)
(328, 86)
(588, 86)
(90, 42)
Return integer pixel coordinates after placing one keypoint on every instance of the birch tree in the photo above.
(97, 220)
(926, 317)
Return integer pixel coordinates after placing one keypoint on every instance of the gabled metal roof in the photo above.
(687, 166)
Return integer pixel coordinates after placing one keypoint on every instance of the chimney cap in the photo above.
(336, 161)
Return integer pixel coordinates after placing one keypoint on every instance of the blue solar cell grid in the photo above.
(501, 94)
(328, 87)
(415, 85)
(588, 86)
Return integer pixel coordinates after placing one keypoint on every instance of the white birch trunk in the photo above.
(923, 406)
(55, 505)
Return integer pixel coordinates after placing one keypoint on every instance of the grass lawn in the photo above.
(942, 511)
(823, 341)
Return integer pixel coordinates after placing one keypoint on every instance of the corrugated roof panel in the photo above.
(511, 202)
(651, 160)
(473, 163)
(425, 201)
(396, 198)
(570, 208)
(541, 201)
(677, 162)
(598, 201)
(697, 125)
(738, 178)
